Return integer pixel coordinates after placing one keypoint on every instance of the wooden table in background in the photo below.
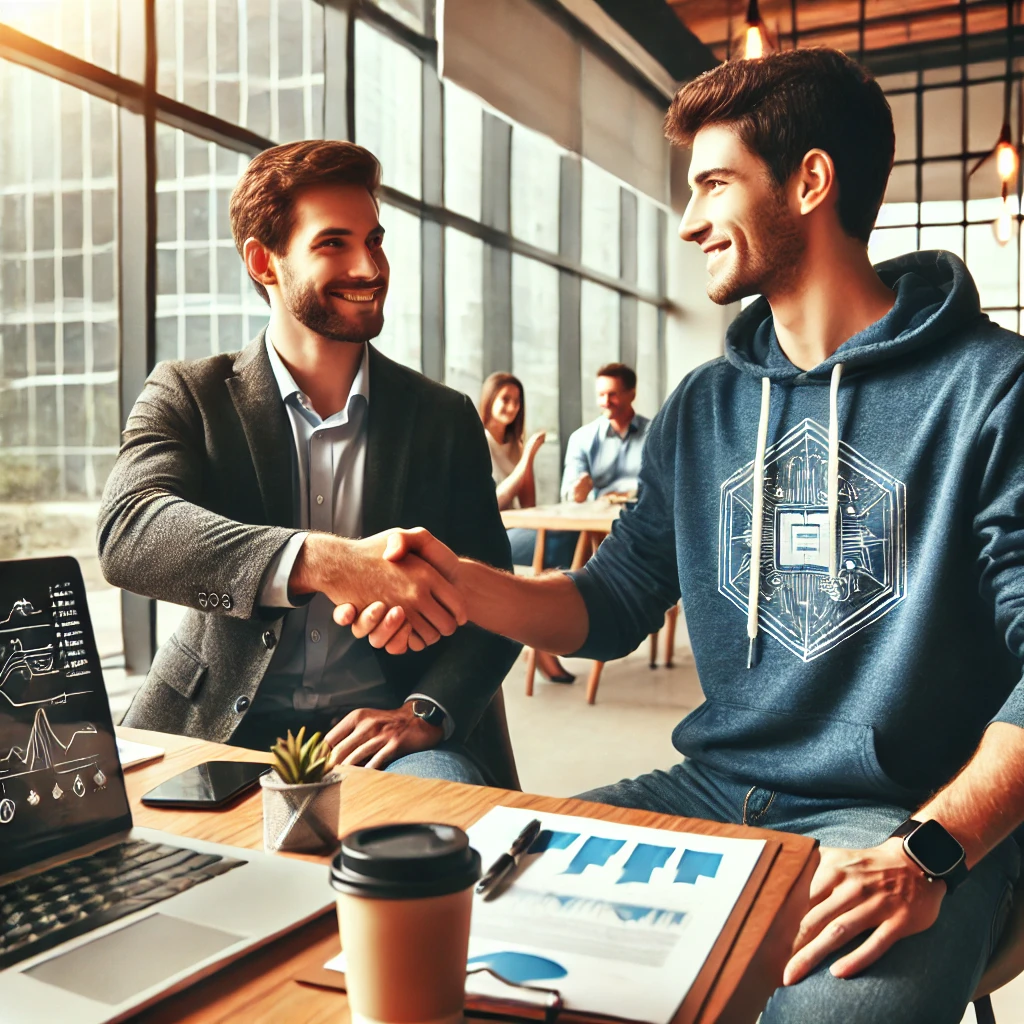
(744, 967)
(593, 520)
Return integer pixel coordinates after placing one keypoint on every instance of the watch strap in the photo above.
(904, 828)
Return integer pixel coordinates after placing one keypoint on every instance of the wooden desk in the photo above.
(741, 973)
(593, 520)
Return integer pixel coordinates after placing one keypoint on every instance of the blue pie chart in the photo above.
(519, 967)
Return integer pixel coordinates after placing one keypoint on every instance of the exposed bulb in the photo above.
(754, 45)
(1002, 226)
(1006, 161)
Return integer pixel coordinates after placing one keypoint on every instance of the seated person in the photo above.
(839, 500)
(603, 457)
(244, 479)
(503, 412)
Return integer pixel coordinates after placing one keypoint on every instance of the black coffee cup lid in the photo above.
(405, 862)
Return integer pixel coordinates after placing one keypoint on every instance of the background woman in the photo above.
(503, 412)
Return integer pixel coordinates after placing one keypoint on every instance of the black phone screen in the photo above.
(210, 784)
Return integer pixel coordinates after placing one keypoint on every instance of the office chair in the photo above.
(1007, 960)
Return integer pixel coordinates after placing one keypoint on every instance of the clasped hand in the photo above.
(878, 893)
(396, 625)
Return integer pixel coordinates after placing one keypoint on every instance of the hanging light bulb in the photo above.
(754, 37)
(1002, 226)
(1006, 157)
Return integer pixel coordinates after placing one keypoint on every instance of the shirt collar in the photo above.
(610, 431)
(287, 386)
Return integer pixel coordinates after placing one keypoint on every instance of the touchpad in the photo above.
(118, 966)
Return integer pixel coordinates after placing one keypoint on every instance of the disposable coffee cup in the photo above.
(405, 895)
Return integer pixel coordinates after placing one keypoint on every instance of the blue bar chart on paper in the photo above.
(608, 910)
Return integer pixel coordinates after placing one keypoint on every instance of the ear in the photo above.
(815, 181)
(258, 262)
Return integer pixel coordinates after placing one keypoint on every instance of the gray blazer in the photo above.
(200, 500)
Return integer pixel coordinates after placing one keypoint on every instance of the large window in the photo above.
(59, 418)
(507, 251)
(945, 120)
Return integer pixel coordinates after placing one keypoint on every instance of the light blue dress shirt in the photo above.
(613, 462)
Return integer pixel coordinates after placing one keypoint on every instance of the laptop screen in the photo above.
(60, 778)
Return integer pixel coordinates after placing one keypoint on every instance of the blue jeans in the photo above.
(559, 547)
(928, 977)
(448, 762)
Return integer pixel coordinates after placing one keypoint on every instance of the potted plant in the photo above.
(301, 798)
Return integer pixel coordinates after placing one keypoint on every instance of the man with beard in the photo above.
(245, 478)
(839, 501)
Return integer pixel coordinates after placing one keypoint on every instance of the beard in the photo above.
(766, 258)
(315, 312)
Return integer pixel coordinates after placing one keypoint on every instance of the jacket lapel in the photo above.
(392, 415)
(258, 403)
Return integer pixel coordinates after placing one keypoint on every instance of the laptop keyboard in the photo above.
(44, 910)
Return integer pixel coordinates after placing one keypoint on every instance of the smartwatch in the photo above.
(933, 850)
(428, 711)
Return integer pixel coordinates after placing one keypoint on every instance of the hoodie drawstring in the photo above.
(757, 511)
(757, 520)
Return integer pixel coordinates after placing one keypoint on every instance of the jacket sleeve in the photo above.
(999, 527)
(470, 665)
(633, 579)
(155, 536)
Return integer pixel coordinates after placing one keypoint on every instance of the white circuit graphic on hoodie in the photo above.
(801, 604)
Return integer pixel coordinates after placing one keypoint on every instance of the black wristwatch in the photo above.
(933, 850)
(428, 711)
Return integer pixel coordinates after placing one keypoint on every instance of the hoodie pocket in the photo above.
(797, 753)
(179, 667)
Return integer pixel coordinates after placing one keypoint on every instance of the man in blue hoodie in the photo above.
(858, 627)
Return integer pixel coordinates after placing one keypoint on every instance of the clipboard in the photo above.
(519, 1002)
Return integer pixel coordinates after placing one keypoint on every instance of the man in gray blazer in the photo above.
(244, 477)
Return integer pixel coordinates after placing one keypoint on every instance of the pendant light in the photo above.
(755, 39)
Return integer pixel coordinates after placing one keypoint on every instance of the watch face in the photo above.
(934, 849)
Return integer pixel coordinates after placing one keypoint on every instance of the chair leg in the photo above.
(652, 661)
(983, 1010)
(531, 668)
(595, 678)
(671, 618)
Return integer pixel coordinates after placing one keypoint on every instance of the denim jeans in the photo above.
(928, 977)
(448, 762)
(559, 547)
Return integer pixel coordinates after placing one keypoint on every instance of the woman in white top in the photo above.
(503, 412)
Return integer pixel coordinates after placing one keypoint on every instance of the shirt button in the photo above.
(241, 704)
(269, 640)
(314, 635)
(319, 499)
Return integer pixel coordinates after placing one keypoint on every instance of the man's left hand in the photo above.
(878, 892)
(373, 738)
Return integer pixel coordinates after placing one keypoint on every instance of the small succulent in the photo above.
(300, 761)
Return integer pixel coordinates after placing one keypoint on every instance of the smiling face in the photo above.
(740, 218)
(333, 278)
(614, 399)
(505, 407)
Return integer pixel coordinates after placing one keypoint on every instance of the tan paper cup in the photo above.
(405, 895)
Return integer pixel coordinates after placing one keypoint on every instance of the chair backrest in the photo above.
(491, 744)
(1008, 959)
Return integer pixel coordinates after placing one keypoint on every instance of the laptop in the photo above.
(97, 918)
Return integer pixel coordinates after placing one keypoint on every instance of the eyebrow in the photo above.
(713, 172)
(343, 232)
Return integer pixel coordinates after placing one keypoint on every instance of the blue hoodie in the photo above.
(879, 649)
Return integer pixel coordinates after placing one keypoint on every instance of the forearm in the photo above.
(506, 492)
(985, 802)
(546, 612)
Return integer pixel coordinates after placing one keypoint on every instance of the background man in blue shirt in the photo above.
(603, 457)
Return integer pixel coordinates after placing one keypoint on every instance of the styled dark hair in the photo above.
(621, 372)
(262, 203)
(783, 105)
(493, 384)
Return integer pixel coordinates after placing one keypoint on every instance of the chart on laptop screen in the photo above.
(58, 762)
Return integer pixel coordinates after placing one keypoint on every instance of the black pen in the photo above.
(507, 861)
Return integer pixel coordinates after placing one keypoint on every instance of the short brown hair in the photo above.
(621, 372)
(785, 104)
(491, 387)
(262, 203)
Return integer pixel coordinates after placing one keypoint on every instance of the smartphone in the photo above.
(207, 785)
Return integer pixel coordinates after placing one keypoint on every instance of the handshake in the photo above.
(400, 588)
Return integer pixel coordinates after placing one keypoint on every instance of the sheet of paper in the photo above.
(618, 918)
(132, 753)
